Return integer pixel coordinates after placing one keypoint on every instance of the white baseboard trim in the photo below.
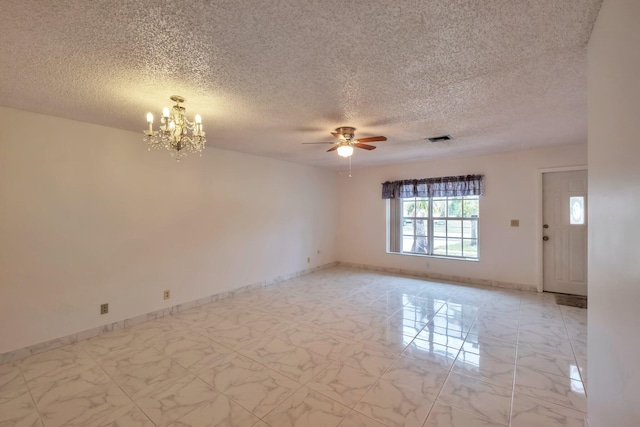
(22, 353)
(443, 277)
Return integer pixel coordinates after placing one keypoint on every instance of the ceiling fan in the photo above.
(346, 141)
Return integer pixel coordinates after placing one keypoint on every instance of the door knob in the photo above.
(546, 226)
(545, 238)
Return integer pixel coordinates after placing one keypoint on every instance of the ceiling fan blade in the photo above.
(334, 148)
(373, 139)
(317, 142)
(365, 146)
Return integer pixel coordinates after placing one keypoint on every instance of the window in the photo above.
(434, 216)
(436, 226)
(576, 210)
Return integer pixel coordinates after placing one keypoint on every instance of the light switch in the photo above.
(515, 223)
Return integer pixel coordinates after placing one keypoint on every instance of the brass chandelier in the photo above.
(177, 134)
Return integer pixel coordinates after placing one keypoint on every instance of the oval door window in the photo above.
(576, 210)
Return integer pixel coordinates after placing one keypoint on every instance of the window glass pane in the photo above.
(454, 228)
(408, 207)
(439, 246)
(470, 229)
(471, 207)
(470, 248)
(576, 210)
(440, 228)
(422, 208)
(454, 247)
(422, 226)
(439, 208)
(407, 226)
(419, 244)
(407, 243)
(454, 209)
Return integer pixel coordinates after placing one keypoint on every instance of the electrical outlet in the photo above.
(104, 308)
(515, 223)
(167, 294)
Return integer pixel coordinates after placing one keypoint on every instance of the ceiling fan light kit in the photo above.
(177, 134)
(345, 151)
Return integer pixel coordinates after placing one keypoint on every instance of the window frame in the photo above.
(397, 233)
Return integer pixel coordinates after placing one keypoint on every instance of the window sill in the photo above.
(434, 256)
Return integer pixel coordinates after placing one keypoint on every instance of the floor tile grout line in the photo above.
(196, 376)
(515, 368)
(575, 358)
(98, 364)
(361, 414)
(298, 389)
(379, 378)
(26, 384)
(353, 408)
(546, 373)
(272, 409)
(548, 400)
(539, 371)
(472, 413)
(448, 372)
(269, 368)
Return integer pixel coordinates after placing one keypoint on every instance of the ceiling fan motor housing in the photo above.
(347, 132)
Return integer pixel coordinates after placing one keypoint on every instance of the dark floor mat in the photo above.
(571, 300)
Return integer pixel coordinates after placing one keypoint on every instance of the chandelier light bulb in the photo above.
(165, 112)
(345, 151)
(198, 127)
(150, 121)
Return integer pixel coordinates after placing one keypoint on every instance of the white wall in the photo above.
(512, 189)
(614, 203)
(88, 215)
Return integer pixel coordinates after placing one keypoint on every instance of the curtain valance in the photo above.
(464, 185)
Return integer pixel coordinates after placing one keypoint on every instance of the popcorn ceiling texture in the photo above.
(266, 76)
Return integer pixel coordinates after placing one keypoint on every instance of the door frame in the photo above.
(539, 214)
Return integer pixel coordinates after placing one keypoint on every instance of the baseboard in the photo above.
(443, 277)
(22, 353)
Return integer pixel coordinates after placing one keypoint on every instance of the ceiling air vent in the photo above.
(440, 138)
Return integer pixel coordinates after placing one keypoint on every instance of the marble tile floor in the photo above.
(338, 347)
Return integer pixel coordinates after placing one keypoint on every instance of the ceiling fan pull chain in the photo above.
(349, 166)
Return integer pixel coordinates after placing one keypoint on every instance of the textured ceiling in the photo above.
(498, 75)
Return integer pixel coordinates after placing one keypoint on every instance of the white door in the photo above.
(565, 232)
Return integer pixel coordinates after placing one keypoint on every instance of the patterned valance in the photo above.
(464, 185)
